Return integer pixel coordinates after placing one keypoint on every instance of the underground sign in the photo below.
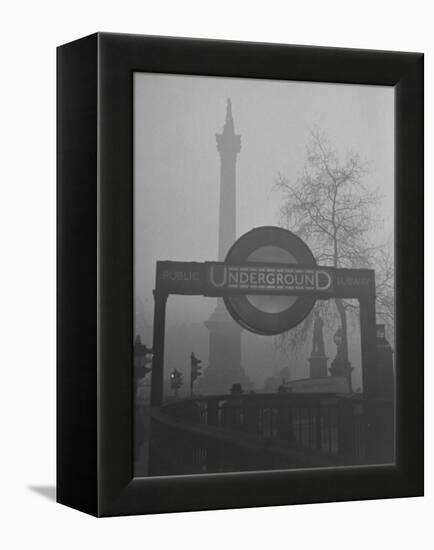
(271, 312)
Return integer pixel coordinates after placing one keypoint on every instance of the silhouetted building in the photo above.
(225, 368)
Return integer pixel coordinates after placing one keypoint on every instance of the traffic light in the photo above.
(142, 358)
(175, 380)
(195, 368)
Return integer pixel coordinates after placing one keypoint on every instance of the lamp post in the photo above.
(175, 381)
(142, 358)
(195, 368)
(142, 362)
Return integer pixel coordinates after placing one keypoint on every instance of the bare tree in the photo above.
(330, 207)
(383, 263)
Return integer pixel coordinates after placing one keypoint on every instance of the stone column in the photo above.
(224, 367)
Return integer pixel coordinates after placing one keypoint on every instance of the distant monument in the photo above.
(224, 369)
(318, 359)
(340, 366)
(318, 337)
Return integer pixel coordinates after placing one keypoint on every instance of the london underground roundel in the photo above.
(270, 314)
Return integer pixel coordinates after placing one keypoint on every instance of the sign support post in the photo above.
(160, 300)
(378, 410)
(367, 339)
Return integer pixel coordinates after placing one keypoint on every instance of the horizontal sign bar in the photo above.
(221, 279)
(181, 277)
(266, 279)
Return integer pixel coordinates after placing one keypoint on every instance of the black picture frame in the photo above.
(95, 273)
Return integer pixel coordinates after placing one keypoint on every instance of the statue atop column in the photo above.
(318, 337)
(340, 366)
(318, 359)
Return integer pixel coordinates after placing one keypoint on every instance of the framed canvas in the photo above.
(240, 274)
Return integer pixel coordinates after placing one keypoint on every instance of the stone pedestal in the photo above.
(342, 368)
(318, 366)
(224, 367)
(384, 386)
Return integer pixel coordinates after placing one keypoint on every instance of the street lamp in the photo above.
(175, 381)
(142, 358)
(195, 368)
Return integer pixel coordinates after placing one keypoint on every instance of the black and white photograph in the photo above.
(216, 275)
(263, 275)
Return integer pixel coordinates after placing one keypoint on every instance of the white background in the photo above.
(30, 31)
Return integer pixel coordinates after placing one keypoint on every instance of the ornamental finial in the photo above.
(229, 123)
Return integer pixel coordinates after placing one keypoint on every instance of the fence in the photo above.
(256, 432)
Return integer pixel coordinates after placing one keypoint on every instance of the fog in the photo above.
(176, 186)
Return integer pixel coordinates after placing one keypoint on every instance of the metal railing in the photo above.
(256, 431)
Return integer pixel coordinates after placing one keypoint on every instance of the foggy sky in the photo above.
(176, 164)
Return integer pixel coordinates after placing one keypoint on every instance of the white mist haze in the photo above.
(176, 182)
